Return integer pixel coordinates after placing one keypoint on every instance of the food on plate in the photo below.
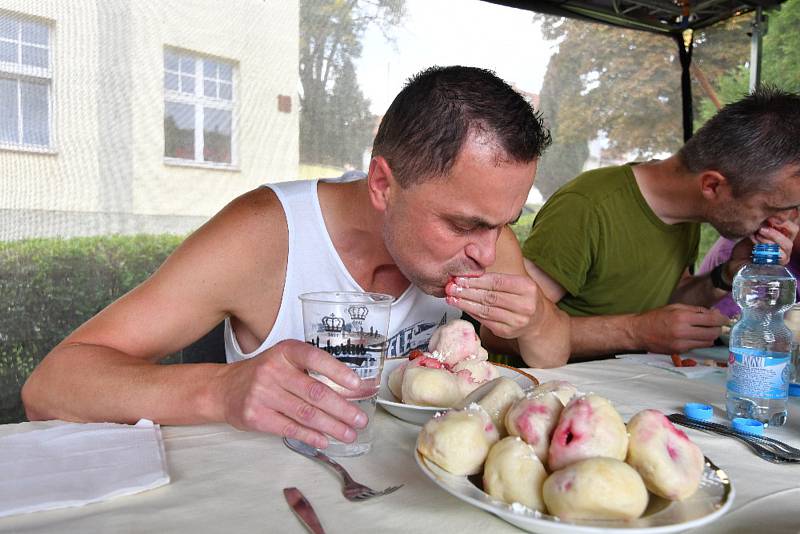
(495, 397)
(459, 362)
(563, 390)
(533, 418)
(589, 426)
(575, 462)
(595, 488)
(458, 441)
(457, 341)
(668, 462)
(424, 386)
(513, 473)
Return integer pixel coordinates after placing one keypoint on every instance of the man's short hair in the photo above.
(427, 124)
(748, 141)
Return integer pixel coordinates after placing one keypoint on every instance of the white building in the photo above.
(141, 116)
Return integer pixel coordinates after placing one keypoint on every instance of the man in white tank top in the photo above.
(453, 162)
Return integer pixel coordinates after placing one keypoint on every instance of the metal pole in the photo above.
(756, 37)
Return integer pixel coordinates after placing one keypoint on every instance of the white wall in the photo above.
(107, 65)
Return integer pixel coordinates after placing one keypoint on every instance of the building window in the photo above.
(198, 109)
(25, 79)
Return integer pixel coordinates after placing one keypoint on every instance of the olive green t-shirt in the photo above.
(598, 238)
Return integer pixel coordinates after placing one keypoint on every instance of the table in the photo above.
(229, 480)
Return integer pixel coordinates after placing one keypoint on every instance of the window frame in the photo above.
(199, 102)
(20, 73)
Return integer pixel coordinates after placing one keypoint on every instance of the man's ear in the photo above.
(714, 185)
(380, 182)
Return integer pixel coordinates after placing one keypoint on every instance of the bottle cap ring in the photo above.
(747, 426)
(698, 411)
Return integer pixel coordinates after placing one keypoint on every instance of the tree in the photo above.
(780, 64)
(335, 122)
(624, 84)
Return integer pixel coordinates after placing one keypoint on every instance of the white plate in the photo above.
(419, 415)
(712, 500)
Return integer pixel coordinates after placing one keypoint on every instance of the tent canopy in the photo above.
(666, 17)
(659, 16)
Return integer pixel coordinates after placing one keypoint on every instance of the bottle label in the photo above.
(758, 374)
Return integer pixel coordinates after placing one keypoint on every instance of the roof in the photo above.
(658, 16)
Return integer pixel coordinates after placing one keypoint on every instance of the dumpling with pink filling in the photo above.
(533, 418)
(563, 390)
(458, 441)
(472, 373)
(496, 397)
(670, 464)
(589, 426)
(456, 341)
(595, 488)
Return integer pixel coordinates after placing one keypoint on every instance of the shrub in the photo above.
(49, 287)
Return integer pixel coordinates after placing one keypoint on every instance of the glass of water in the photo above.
(352, 327)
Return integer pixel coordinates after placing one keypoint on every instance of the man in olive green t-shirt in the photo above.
(614, 247)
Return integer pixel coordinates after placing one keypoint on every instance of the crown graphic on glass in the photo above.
(358, 313)
(331, 323)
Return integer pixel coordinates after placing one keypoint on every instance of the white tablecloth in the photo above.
(227, 480)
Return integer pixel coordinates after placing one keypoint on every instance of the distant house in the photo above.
(146, 116)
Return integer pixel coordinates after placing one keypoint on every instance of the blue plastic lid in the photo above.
(766, 253)
(698, 411)
(747, 426)
(794, 390)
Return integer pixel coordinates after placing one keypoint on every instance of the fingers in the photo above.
(281, 425)
(500, 282)
(316, 416)
(272, 393)
(504, 303)
(304, 356)
(320, 406)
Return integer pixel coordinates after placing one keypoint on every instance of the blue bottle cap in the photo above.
(698, 411)
(747, 426)
(794, 390)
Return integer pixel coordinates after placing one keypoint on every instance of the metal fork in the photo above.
(773, 445)
(352, 490)
(758, 444)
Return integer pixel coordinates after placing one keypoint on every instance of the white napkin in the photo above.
(665, 362)
(74, 464)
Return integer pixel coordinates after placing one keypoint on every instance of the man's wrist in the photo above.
(719, 277)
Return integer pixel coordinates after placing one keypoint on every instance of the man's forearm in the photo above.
(700, 291)
(548, 345)
(92, 383)
(601, 335)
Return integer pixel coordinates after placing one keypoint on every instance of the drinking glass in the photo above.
(352, 327)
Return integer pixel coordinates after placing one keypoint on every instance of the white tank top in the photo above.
(314, 265)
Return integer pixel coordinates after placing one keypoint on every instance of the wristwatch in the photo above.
(718, 279)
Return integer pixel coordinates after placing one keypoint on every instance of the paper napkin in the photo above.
(665, 362)
(73, 464)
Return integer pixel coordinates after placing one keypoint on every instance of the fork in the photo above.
(778, 447)
(759, 445)
(352, 490)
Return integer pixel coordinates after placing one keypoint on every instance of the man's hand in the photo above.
(677, 328)
(272, 393)
(774, 230)
(506, 304)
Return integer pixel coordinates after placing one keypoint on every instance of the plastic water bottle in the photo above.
(759, 365)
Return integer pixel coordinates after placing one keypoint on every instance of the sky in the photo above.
(449, 32)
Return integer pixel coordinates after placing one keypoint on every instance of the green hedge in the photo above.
(49, 287)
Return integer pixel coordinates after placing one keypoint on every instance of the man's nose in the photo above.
(482, 249)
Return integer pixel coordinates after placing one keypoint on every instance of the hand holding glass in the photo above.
(352, 327)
